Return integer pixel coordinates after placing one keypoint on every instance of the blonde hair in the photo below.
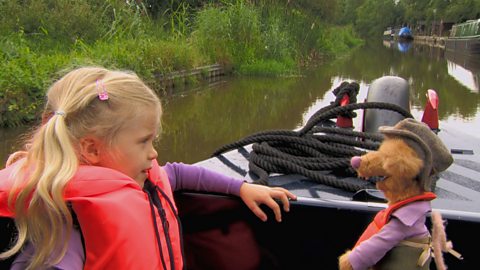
(41, 214)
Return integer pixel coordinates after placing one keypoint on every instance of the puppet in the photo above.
(408, 159)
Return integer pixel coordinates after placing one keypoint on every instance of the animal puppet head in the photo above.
(408, 157)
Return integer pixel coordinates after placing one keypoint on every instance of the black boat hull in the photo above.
(309, 237)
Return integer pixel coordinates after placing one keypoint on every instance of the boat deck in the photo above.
(458, 188)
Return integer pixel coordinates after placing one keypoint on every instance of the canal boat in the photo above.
(326, 219)
(464, 38)
(219, 232)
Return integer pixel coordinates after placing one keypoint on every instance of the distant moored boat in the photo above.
(405, 34)
(464, 38)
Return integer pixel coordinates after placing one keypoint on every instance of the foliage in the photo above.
(325, 11)
(267, 67)
(152, 38)
(338, 40)
(370, 18)
(251, 38)
(374, 16)
(23, 79)
(446, 10)
(461, 10)
(147, 57)
(61, 21)
(124, 20)
(348, 11)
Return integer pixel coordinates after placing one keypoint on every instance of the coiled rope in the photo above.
(318, 151)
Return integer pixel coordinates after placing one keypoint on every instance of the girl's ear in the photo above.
(90, 150)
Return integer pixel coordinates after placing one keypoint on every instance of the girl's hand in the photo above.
(254, 195)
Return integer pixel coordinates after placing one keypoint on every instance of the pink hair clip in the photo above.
(102, 90)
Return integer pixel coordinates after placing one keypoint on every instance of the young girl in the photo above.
(91, 165)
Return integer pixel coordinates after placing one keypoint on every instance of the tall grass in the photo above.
(238, 34)
(267, 40)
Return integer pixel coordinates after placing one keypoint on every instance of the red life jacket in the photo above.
(116, 219)
(384, 215)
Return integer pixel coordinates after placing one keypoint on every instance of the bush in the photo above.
(338, 40)
(62, 21)
(23, 80)
(243, 35)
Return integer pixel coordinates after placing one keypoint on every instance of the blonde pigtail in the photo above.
(55, 162)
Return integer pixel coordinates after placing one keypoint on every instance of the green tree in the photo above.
(462, 10)
(347, 11)
(374, 16)
(414, 10)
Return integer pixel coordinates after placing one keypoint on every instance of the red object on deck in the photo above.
(342, 121)
(430, 115)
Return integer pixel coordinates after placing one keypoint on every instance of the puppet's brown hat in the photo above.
(426, 144)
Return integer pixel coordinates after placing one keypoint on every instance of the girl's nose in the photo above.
(153, 154)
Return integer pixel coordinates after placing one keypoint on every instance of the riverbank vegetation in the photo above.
(39, 39)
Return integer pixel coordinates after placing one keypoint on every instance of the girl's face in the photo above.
(132, 150)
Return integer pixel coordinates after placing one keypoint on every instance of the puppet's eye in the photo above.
(375, 179)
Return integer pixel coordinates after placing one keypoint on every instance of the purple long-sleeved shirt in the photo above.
(406, 222)
(190, 177)
(181, 176)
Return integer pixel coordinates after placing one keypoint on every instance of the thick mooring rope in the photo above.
(317, 151)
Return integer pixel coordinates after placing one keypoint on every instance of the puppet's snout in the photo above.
(355, 162)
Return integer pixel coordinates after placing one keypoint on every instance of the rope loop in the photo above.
(318, 151)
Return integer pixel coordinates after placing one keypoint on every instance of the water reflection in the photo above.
(401, 45)
(198, 121)
(404, 46)
(465, 69)
(388, 43)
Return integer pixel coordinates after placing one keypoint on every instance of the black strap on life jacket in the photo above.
(154, 200)
(153, 192)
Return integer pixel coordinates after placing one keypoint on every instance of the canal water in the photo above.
(197, 121)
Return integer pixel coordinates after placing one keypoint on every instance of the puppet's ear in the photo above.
(90, 149)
